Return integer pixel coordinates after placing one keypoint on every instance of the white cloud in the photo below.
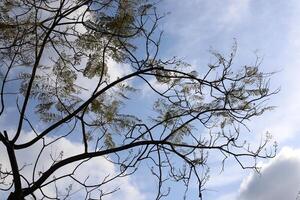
(115, 70)
(279, 179)
(234, 11)
(97, 169)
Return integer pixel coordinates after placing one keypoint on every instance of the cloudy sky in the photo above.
(269, 28)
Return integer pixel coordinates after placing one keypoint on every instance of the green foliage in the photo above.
(108, 141)
(52, 49)
(95, 66)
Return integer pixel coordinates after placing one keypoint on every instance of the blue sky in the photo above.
(268, 28)
(271, 30)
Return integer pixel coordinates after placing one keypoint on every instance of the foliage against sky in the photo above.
(54, 98)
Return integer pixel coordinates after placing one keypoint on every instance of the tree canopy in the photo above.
(50, 50)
